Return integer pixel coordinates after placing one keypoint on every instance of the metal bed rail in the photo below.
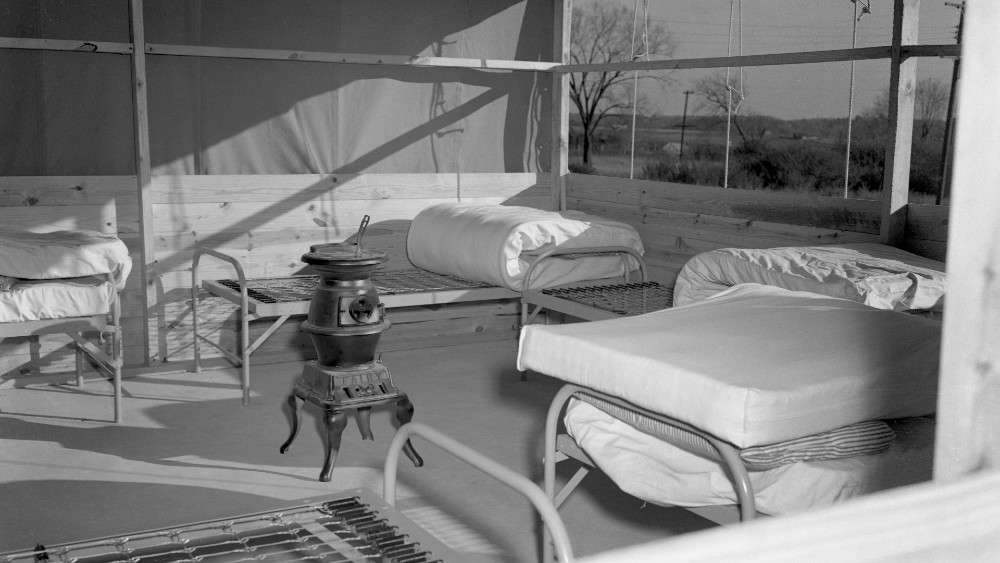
(245, 347)
(555, 530)
(108, 360)
(559, 447)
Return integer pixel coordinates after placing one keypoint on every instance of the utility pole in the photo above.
(949, 121)
(684, 120)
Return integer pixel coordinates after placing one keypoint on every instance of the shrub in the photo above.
(581, 168)
(707, 151)
(701, 172)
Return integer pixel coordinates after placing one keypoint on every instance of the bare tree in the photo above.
(719, 96)
(929, 105)
(603, 33)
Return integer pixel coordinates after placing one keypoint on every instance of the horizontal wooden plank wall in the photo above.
(269, 221)
(46, 203)
(677, 221)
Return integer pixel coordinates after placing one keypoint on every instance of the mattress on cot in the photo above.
(659, 472)
(63, 254)
(497, 243)
(752, 365)
(32, 300)
(877, 275)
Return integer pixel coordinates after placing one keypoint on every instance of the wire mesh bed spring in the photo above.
(397, 282)
(340, 529)
(622, 299)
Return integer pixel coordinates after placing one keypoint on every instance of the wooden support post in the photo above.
(968, 418)
(137, 34)
(902, 91)
(559, 162)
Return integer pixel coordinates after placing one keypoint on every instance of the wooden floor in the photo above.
(189, 451)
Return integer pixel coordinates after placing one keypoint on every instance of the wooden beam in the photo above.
(902, 92)
(863, 53)
(771, 59)
(949, 51)
(143, 175)
(968, 418)
(559, 149)
(343, 58)
(83, 46)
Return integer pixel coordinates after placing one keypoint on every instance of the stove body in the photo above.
(345, 321)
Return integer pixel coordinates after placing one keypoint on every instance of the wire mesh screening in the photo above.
(397, 282)
(344, 529)
(622, 299)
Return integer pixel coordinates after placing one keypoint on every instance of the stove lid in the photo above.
(342, 254)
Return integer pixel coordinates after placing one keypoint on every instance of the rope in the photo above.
(729, 92)
(635, 74)
(866, 9)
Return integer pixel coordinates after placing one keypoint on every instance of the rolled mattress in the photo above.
(877, 275)
(496, 244)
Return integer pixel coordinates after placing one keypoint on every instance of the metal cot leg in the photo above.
(549, 460)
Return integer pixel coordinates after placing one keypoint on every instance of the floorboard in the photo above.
(189, 451)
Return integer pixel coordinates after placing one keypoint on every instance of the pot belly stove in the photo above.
(344, 323)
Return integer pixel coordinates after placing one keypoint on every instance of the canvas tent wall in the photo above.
(260, 137)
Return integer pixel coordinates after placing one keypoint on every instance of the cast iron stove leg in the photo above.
(364, 418)
(404, 414)
(294, 403)
(336, 421)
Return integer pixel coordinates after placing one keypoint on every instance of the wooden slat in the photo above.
(902, 94)
(78, 45)
(341, 217)
(638, 201)
(969, 405)
(336, 187)
(51, 218)
(345, 58)
(927, 222)
(65, 190)
(935, 250)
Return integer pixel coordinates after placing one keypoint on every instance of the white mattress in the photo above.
(496, 243)
(752, 365)
(661, 473)
(877, 275)
(63, 254)
(31, 300)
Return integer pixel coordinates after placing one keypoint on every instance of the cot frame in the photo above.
(107, 324)
(561, 447)
(534, 301)
(252, 309)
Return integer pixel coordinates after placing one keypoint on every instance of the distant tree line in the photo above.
(766, 152)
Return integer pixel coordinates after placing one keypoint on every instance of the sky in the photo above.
(701, 28)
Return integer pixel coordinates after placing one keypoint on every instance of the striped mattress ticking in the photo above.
(862, 438)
